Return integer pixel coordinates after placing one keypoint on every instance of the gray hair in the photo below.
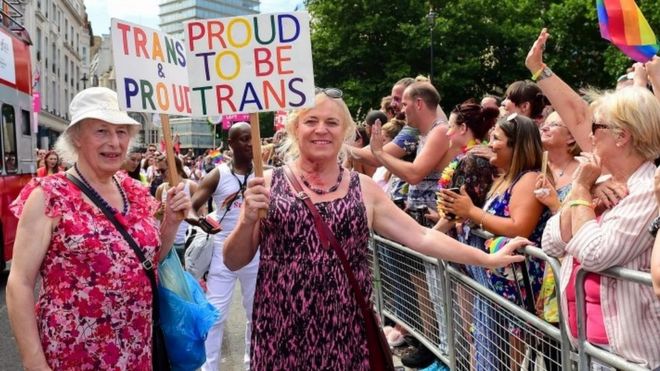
(66, 149)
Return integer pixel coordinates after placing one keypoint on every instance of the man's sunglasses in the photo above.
(330, 92)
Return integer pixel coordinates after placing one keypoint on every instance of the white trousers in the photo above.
(220, 288)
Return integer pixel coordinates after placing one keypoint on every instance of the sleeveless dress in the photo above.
(490, 326)
(94, 305)
(305, 315)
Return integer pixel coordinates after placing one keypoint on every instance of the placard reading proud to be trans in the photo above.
(150, 70)
(251, 63)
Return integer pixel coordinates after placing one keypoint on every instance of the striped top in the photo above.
(631, 312)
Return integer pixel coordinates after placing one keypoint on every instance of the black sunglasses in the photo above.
(330, 92)
(595, 126)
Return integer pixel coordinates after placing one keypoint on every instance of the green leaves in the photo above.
(365, 46)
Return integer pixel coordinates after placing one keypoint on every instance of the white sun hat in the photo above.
(98, 103)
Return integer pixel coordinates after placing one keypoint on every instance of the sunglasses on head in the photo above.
(330, 92)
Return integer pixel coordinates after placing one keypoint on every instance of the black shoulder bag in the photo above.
(380, 357)
(159, 358)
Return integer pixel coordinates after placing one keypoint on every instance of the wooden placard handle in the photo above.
(256, 152)
(173, 178)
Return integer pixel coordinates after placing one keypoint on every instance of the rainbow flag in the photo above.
(622, 23)
(216, 156)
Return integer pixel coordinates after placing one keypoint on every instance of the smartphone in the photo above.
(450, 216)
(209, 225)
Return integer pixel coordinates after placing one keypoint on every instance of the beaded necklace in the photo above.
(448, 172)
(319, 191)
(118, 215)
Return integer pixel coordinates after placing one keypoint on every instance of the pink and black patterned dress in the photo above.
(94, 305)
(305, 315)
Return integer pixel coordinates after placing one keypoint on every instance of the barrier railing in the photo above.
(467, 325)
(586, 350)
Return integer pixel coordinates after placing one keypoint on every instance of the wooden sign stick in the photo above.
(256, 152)
(173, 178)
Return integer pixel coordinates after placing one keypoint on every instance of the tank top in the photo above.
(229, 184)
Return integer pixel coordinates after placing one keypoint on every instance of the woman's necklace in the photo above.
(103, 201)
(447, 174)
(319, 191)
(561, 171)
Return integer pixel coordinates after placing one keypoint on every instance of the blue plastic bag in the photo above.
(185, 323)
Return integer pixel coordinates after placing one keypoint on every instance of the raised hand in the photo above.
(534, 60)
(377, 141)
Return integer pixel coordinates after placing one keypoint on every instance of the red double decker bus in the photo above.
(17, 134)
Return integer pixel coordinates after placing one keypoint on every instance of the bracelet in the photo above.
(483, 217)
(536, 74)
(580, 203)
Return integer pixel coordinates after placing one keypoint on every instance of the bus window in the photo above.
(25, 126)
(10, 162)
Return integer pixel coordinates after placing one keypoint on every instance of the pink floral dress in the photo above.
(94, 305)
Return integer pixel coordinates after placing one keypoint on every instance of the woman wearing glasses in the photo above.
(625, 140)
(305, 314)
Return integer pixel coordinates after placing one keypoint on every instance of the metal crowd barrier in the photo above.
(587, 350)
(470, 327)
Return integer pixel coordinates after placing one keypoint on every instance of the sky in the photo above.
(145, 12)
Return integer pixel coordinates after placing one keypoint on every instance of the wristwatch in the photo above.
(545, 72)
(655, 225)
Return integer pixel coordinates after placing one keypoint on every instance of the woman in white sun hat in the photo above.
(94, 308)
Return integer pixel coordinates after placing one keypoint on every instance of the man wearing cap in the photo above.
(94, 308)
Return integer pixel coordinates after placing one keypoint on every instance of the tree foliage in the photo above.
(364, 46)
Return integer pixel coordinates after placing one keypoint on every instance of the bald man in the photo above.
(226, 184)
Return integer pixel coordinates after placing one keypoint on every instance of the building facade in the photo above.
(61, 36)
(173, 13)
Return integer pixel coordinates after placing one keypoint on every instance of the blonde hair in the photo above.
(289, 149)
(66, 148)
(634, 110)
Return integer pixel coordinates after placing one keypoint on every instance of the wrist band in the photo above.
(580, 203)
(536, 74)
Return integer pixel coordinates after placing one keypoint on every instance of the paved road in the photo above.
(9, 359)
(232, 346)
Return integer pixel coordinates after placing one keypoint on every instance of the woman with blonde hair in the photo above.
(621, 315)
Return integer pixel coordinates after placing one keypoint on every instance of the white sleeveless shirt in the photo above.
(228, 185)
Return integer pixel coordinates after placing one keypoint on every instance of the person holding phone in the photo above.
(469, 125)
(226, 184)
(511, 209)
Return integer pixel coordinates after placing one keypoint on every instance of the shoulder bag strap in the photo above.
(147, 265)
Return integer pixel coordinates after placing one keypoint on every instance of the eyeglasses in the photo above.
(330, 92)
(551, 125)
(595, 126)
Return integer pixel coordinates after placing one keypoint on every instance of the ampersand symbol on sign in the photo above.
(160, 70)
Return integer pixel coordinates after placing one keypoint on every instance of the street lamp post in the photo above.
(84, 80)
(431, 20)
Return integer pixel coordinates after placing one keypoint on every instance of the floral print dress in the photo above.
(94, 305)
(490, 325)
